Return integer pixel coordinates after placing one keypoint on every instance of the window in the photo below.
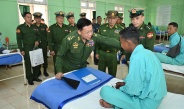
(88, 5)
(163, 15)
(119, 9)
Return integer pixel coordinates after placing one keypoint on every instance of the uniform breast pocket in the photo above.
(75, 50)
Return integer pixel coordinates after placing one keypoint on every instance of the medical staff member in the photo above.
(145, 86)
(174, 40)
(77, 47)
(147, 33)
(56, 33)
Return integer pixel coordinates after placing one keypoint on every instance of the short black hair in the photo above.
(174, 24)
(130, 33)
(98, 17)
(82, 22)
(93, 19)
(42, 19)
(25, 13)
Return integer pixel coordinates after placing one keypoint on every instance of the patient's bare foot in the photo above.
(105, 104)
(12, 51)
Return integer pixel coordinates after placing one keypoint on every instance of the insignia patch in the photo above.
(104, 30)
(75, 45)
(117, 31)
(141, 28)
(70, 37)
(78, 38)
(95, 35)
(133, 11)
(90, 43)
(48, 30)
(112, 14)
(18, 31)
(150, 35)
(141, 37)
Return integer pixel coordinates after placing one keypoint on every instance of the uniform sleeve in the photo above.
(19, 36)
(111, 42)
(134, 79)
(150, 39)
(60, 55)
(50, 36)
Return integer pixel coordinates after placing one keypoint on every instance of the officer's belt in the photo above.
(109, 51)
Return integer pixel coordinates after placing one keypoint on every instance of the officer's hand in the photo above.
(119, 84)
(122, 57)
(97, 56)
(52, 53)
(59, 75)
(22, 53)
(36, 43)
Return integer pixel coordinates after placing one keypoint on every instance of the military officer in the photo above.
(42, 28)
(78, 45)
(27, 39)
(147, 33)
(120, 21)
(107, 55)
(82, 15)
(71, 20)
(56, 33)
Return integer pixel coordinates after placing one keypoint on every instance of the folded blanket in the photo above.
(10, 59)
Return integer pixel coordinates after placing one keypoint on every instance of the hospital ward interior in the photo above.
(91, 54)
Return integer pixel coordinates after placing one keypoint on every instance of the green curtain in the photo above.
(24, 8)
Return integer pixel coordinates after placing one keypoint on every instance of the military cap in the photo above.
(82, 14)
(111, 13)
(136, 12)
(70, 14)
(37, 14)
(59, 13)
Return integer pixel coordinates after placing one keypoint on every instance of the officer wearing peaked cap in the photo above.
(107, 55)
(82, 15)
(71, 20)
(42, 28)
(56, 33)
(147, 33)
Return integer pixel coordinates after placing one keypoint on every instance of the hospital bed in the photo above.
(13, 58)
(51, 93)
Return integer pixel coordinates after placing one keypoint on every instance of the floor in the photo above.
(15, 95)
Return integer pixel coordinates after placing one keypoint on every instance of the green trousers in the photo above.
(108, 60)
(43, 46)
(29, 68)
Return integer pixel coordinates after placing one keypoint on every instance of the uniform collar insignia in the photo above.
(75, 45)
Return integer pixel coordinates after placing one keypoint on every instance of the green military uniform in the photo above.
(108, 55)
(73, 52)
(26, 38)
(55, 36)
(42, 28)
(147, 33)
(71, 27)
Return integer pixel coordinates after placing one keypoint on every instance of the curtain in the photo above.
(24, 8)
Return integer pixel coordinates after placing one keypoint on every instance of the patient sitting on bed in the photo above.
(144, 87)
(174, 40)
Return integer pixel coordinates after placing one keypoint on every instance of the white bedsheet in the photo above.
(174, 68)
(91, 101)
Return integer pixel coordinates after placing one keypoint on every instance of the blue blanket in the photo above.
(54, 94)
(160, 48)
(10, 59)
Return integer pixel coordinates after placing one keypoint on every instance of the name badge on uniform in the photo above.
(66, 30)
(104, 30)
(43, 29)
(141, 37)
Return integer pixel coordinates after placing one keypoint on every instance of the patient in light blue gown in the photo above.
(144, 87)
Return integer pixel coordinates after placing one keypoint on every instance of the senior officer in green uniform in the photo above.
(147, 33)
(42, 28)
(71, 20)
(56, 33)
(78, 45)
(27, 39)
(107, 55)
